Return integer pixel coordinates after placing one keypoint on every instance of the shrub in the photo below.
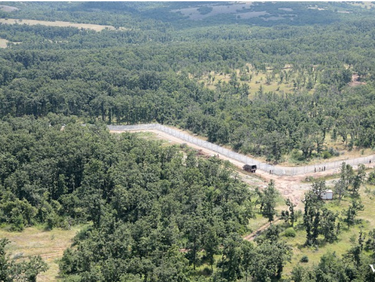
(326, 155)
(297, 155)
(290, 232)
(371, 178)
(304, 259)
(333, 152)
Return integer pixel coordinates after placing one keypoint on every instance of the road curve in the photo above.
(183, 137)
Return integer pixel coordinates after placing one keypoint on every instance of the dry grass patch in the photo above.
(95, 27)
(269, 81)
(50, 245)
(8, 8)
(3, 43)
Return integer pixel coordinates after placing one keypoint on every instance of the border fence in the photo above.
(277, 170)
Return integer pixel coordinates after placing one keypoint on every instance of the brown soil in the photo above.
(95, 27)
(355, 80)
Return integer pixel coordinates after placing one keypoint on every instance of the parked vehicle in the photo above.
(250, 168)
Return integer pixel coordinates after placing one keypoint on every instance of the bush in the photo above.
(290, 232)
(371, 178)
(333, 152)
(326, 155)
(207, 271)
(304, 259)
(297, 155)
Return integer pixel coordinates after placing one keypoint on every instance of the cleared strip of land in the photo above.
(95, 27)
(237, 159)
(290, 186)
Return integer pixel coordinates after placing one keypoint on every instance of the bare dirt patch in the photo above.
(95, 27)
(3, 43)
(355, 80)
(8, 8)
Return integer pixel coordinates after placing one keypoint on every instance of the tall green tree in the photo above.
(268, 201)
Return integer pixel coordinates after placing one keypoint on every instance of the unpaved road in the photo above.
(257, 232)
(290, 187)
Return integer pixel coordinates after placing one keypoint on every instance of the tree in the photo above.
(230, 264)
(249, 258)
(268, 201)
(358, 180)
(370, 243)
(351, 213)
(269, 260)
(346, 178)
(289, 215)
(328, 227)
(312, 215)
(211, 245)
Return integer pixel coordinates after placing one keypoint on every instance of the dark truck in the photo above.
(250, 168)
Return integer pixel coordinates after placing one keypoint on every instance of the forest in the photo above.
(282, 81)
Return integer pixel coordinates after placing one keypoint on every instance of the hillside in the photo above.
(286, 83)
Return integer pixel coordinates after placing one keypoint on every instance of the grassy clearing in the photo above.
(285, 81)
(267, 80)
(339, 146)
(33, 241)
(347, 237)
(257, 222)
(95, 27)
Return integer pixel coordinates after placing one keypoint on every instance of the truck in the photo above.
(249, 168)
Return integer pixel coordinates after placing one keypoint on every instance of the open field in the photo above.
(268, 80)
(3, 43)
(8, 8)
(33, 241)
(195, 13)
(95, 27)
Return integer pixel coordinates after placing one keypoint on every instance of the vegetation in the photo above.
(25, 271)
(275, 80)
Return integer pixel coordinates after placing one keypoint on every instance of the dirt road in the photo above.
(259, 231)
(291, 187)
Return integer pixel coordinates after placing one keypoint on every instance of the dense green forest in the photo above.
(269, 79)
(146, 202)
(157, 78)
